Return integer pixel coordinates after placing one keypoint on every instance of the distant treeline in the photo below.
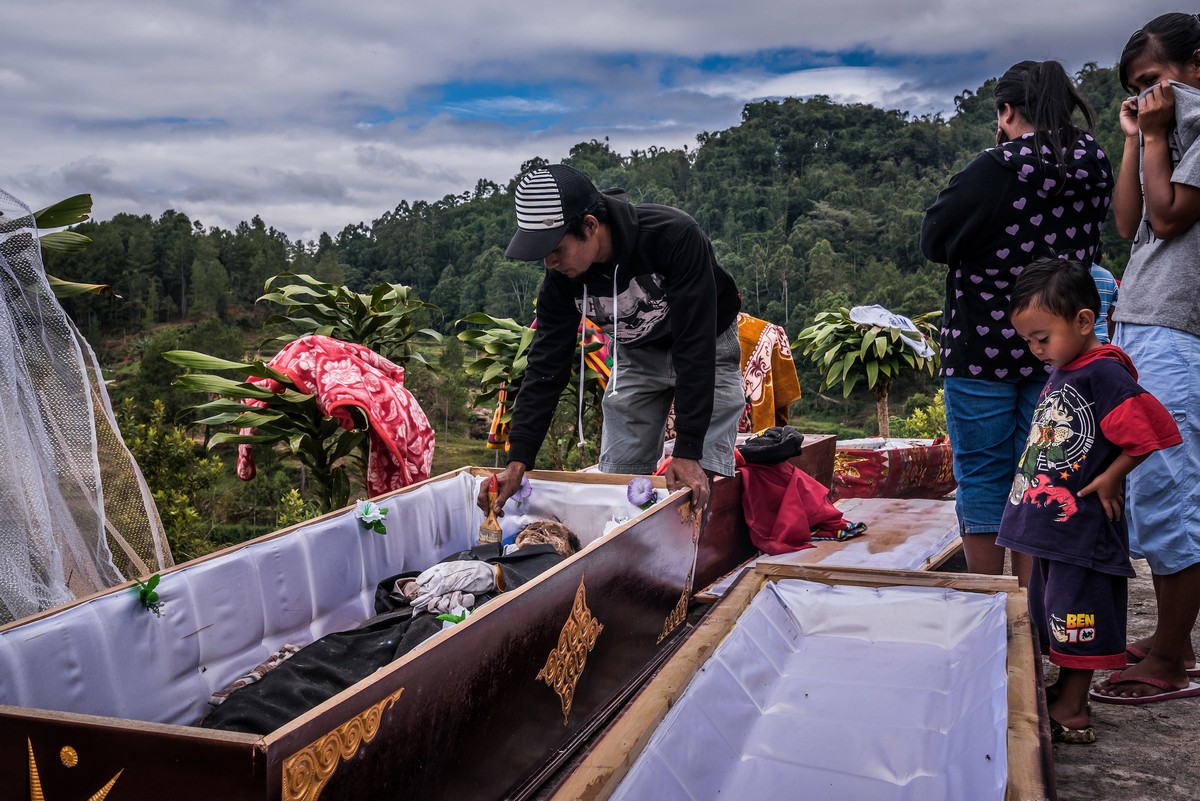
(810, 204)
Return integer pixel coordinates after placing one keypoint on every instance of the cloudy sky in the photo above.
(316, 115)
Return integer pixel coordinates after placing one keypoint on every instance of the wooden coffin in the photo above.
(878, 684)
(99, 697)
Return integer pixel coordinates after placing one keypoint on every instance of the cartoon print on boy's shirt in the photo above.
(1062, 433)
(1076, 628)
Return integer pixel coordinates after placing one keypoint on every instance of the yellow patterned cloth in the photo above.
(768, 373)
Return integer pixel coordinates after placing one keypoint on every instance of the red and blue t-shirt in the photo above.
(1091, 411)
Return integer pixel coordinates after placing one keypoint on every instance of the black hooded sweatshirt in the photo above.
(670, 292)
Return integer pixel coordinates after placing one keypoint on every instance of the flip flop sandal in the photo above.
(1061, 734)
(1168, 692)
(1133, 655)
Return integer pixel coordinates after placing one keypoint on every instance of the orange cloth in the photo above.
(769, 377)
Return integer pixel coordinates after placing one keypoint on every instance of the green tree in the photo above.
(846, 351)
(210, 282)
(182, 482)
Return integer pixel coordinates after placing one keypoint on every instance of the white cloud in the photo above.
(317, 115)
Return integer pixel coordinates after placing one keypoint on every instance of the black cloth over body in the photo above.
(776, 444)
(336, 661)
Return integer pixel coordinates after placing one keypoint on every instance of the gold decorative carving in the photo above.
(306, 772)
(35, 781)
(566, 661)
(679, 613)
(70, 758)
(687, 514)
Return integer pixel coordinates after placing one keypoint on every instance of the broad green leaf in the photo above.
(868, 338)
(848, 386)
(872, 373)
(255, 419)
(847, 363)
(493, 371)
(69, 289)
(65, 241)
(224, 438)
(73, 210)
(222, 386)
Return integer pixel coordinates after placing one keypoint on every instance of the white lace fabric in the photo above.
(76, 515)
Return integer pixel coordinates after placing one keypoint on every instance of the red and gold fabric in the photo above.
(919, 471)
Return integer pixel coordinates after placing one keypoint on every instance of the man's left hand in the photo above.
(688, 473)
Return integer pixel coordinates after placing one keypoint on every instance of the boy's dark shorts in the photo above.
(1080, 614)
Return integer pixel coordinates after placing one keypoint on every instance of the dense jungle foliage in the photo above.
(810, 204)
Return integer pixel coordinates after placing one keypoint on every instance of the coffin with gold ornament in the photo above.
(831, 683)
(99, 699)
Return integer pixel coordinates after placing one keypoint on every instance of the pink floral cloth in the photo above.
(343, 374)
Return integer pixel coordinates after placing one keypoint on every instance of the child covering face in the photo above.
(1157, 205)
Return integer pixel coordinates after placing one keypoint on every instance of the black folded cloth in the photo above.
(776, 444)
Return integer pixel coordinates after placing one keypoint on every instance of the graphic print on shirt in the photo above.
(1063, 430)
(641, 308)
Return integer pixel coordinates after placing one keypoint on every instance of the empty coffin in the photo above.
(837, 683)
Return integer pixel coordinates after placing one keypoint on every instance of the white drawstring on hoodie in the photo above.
(614, 336)
(583, 354)
(582, 368)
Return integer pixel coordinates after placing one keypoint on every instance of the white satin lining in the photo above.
(221, 617)
(844, 692)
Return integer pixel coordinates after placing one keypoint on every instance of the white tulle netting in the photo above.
(75, 513)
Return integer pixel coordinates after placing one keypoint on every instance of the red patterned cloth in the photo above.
(919, 471)
(345, 374)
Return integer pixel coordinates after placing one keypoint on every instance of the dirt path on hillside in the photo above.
(1141, 753)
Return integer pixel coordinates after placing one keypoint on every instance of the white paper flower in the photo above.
(371, 514)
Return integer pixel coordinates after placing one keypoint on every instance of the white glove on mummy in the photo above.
(466, 577)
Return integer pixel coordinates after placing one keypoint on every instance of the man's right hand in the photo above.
(509, 480)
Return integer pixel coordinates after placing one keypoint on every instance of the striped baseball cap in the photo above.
(547, 199)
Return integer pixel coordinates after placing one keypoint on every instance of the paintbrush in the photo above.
(489, 531)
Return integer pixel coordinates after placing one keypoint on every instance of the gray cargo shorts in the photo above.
(635, 418)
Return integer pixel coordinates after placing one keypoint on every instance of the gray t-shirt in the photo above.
(1161, 285)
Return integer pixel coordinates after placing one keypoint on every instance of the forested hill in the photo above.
(809, 203)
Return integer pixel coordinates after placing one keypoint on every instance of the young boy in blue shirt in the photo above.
(1092, 426)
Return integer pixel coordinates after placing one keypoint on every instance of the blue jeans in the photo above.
(988, 423)
(636, 417)
(1162, 494)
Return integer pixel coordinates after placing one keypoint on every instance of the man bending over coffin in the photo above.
(407, 608)
(647, 275)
